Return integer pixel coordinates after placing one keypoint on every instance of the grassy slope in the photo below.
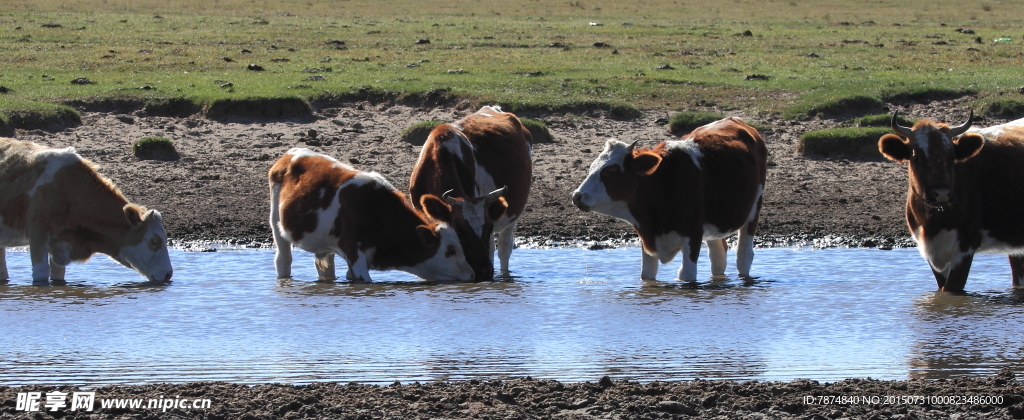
(813, 53)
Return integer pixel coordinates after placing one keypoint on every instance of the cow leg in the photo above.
(283, 253)
(955, 280)
(745, 249)
(649, 266)
(3, 265)
(324, 263)
(39, 253)
(358, 267)
(1016, 268)
(60, 257)
(717, 250)
(506, 241)
(691, 249)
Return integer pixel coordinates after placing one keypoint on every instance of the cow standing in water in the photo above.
(964, 194)
(482, 166)
(327, 207)
(55, 202)
(704, 187)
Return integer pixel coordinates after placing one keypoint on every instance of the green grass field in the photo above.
(788, 58)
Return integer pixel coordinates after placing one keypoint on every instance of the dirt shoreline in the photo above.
(997, 397)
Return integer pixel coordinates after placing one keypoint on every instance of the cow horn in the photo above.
(632, 145)
(448, 199)
(905, 131)
(493, 195)
(960, 129)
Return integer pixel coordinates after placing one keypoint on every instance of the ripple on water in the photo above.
(568, 314)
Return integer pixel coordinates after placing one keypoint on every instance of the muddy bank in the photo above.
(998, 397)
(218, 190)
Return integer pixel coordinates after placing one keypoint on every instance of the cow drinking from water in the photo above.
(55, 202)
(704, 187)
(325, 207)
(481, 165)
(965, 193)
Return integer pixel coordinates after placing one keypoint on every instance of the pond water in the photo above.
(571, 315)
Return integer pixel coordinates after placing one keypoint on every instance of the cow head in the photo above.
(449, 260)
(473, 219)
(931, 149)
(614, 178)
(144, 247)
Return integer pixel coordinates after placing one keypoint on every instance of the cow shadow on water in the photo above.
(77, 289)
(712, 283)
(383, 288)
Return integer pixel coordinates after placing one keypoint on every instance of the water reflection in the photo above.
(570, 314)
(969, 334)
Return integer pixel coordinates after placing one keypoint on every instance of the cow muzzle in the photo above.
(166, 278)
(939, 198)
(577, 200)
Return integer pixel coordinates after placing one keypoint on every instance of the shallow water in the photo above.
(571, 315)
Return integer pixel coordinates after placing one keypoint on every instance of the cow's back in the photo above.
(734, 167)
(503, 148)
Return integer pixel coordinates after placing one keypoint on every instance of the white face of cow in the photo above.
(149, 255)
(610, 166)
(449, 263)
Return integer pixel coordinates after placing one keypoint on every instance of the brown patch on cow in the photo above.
(502, 147)
(382, 219)
(309, 185)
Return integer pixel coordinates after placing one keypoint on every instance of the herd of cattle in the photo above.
(470, 186)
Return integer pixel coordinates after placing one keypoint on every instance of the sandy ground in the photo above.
(218, 192)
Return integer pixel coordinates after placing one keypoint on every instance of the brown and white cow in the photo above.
(965, 193)
(704, 187)
(325, 207)
(55, 202)
(482, 166)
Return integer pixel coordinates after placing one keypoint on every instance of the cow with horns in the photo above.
(482, 167)
(963, 195)
(327, 207)
(704, 187)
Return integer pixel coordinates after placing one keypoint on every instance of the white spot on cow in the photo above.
(997, 131)
(942, 251)
(55, 160)
(995, 246)
(689, 146)
(490, 111)
(371, 178)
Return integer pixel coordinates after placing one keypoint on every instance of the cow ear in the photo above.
(894, 148)
(497, 208)
(645, 163)
(967, 146)
(427, 236)
(133, 214)
(435, 208)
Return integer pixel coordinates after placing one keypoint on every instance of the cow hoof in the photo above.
(326, 279)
